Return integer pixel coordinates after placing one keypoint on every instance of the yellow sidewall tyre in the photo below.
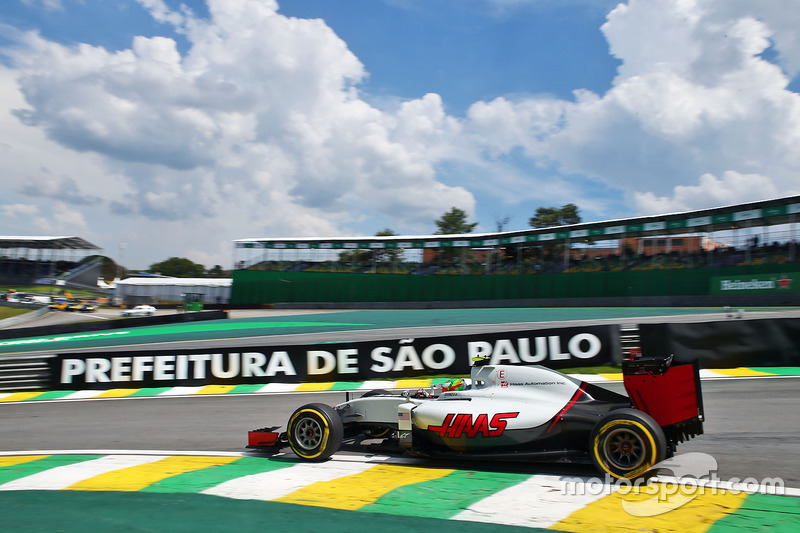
(627, 443)
(315, 432)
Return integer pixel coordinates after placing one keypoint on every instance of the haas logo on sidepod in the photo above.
(455, 425)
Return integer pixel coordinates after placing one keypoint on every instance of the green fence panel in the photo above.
(265, 287)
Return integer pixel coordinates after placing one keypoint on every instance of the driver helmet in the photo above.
(453, 385)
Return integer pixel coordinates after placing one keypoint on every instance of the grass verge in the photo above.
(8, 312)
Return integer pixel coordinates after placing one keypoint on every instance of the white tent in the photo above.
(138, 290)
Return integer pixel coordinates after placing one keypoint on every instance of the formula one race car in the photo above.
(514, 412)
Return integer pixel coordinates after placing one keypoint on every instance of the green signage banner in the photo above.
(756, 284)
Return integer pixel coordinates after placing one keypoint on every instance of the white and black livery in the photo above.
(517, 413)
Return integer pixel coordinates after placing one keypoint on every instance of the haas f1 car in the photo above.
(513, 413)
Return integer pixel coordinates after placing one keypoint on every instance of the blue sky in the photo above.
(176, 127)
(464, 50)
(471, 51)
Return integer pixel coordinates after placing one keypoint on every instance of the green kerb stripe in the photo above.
(779, 370)
(246, 388)
(198, 480)
(346, 385)
(82, 511)
(154, 391)
(444, 497)
(53, 395)
(762, 512)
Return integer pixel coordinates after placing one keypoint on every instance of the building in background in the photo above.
(157, 290)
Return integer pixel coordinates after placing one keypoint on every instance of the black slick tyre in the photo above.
(315, 432)
(627, 443)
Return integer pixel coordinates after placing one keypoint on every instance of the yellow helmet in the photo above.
(453, 385)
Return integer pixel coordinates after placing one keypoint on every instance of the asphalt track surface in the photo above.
(274, 327)
(752, 427)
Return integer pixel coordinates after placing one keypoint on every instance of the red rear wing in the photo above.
(670, 393)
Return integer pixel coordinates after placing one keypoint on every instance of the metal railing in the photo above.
(24, 372)
(630, 341)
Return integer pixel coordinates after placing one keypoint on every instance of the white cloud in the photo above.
(693, 98)
(780, 16)
(161, 12)
(731, 188)
(259, 128)
(12, 210)
(54, 5)
(65, 216)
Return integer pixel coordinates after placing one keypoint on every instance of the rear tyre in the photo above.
(315, 432)
(626, 443)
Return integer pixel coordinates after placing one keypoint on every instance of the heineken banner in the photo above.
(355, 361)
(726, 344)
(756, 284)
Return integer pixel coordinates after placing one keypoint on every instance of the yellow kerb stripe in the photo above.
(311, 387)
(657, 507)
(356, 491)
(116, 393)
(138, 477)
(18, 460)
(412, 384)
(613, 376)
(741, 372)
(20, 396)
(215, 389)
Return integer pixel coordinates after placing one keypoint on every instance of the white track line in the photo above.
(272, 485)
(279, 387)
(61, 477)
(191, 453)
(539, 501)
(181, 391)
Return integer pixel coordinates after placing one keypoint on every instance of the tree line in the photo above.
(455, 221)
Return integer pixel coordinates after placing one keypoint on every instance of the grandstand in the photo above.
(627, 258)
(44, 260)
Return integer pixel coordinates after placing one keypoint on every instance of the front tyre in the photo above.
(626, 443)
(315, 432)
